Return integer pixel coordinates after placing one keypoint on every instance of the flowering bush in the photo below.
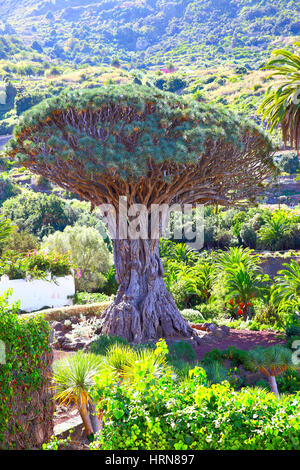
(239, 309)
(34, 265)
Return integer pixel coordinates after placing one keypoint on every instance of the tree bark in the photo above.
(143, 309)
(273, 385)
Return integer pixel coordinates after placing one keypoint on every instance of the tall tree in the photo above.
(153, 148)
(281, 106)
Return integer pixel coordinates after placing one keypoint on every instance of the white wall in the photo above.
(36, 294)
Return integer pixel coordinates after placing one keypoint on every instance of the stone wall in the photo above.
(271, 265)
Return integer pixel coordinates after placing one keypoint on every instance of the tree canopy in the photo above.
(149, 145)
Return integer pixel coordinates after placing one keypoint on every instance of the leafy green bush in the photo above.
(181, 350)
(87, 249)
(7, 189)
(26, 344)
(34, 265)
(37, 213)
(22, 242)
(151, 411)
(84, 298)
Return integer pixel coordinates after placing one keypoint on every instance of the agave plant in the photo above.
(73, 377)
(281, 106)
(271, 362)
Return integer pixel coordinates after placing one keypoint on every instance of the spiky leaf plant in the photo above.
(271, 362)
(73, 376)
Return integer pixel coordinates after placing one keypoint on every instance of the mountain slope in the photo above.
(151, 32)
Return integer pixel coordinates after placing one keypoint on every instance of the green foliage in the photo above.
(181, 350)
(37, 213)
(83, 298)
(21, 242)
(272, 360)
(103, 343)
(74, 375)
(151, 411)
(26, 343)
(287, 284)
(237, 356)
(242, 280)
(7, 189)
(182, 128)
(289, 163)
(34, 265)
(87, 250)
(275, 234)
(6, 228)
(281, 104)
(110, 285)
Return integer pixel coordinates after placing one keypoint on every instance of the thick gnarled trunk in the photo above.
(143, 309)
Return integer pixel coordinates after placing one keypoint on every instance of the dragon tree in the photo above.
(153, 148)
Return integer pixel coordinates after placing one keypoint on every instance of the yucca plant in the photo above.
(118, 357)
(271, 362)
(73, 376)
(281, 106)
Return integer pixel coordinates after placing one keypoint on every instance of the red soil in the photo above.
(241, 339)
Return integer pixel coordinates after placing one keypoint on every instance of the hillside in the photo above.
(216, 46)
(149, 32)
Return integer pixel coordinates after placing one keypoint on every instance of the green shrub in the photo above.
(21, 242)
(37, 213)
(181, 350)
(192, 315)
(7, 189)
(88, 250)
(84, 298)
(35, 265)
(26, 344)
(151, 411)
(101, 345)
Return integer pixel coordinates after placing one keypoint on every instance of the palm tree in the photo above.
(281, 106)
(287, 284)
(271, 362)
(74, 376)
(273, 233)
(243, 285)
(236, 256)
